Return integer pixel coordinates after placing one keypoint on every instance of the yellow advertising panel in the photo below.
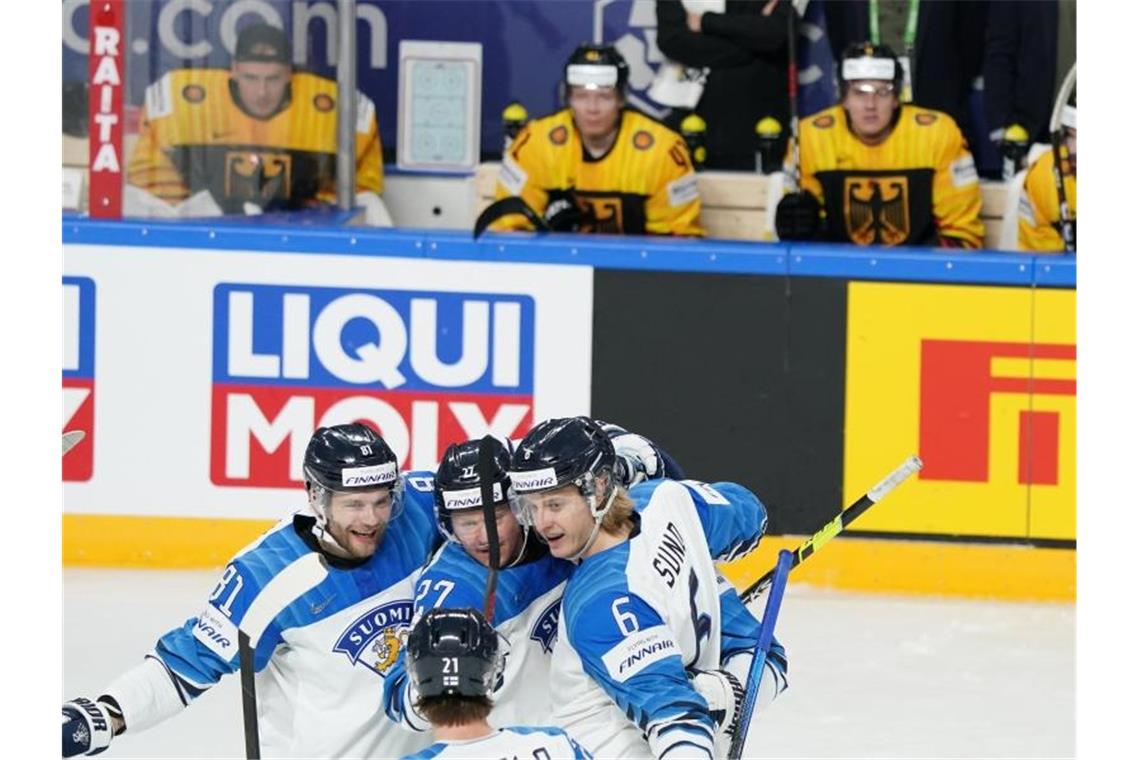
(981, 383)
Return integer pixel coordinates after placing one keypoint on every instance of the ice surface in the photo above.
(871, 676)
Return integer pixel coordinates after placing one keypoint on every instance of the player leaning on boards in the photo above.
(530, 581)
(319, 660)
(455, 658)
(652, 644)
(598, 165)
(881, 172)
(256, 136)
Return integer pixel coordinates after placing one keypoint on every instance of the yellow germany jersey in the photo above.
(644, 184)
(917, 187)
(195, 136)
(1039, 211)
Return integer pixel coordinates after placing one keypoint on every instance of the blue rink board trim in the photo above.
(600, 251)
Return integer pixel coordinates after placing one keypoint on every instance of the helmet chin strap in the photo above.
(598, 517)
(522, 547)
(324, 538)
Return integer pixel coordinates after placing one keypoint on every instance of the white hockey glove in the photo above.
(725, 696)
(87, 727)
(638, 459)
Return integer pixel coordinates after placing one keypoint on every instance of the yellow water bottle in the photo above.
(693, 129)
(514, 118)
(768, 133)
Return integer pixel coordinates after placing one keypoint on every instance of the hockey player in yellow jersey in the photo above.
(597, 165)
(874, 171)
(1039, 210)
(258, 136)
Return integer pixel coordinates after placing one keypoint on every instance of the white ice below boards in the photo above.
(871, 675)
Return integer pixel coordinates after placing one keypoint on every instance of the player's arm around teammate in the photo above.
(355, 493)
(642, 609)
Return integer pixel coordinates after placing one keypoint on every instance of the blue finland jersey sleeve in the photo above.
(197, 654)
(454, 579)
(626, 648)
(204, 649)
(732, 517)
(418, 496)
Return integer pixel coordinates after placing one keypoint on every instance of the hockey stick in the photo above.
(763, 644)
(71, 439)
(793, 92)
(836, 526)
(296, 579)
(486, 467)
(512, 204)
(1056, 132)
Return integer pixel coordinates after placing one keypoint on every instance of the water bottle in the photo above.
(1014, 147)
(514, 118)
(693, 129)
(768, 158)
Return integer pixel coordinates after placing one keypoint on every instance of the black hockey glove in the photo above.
(797, 217)
(87, 727)
(563, 214)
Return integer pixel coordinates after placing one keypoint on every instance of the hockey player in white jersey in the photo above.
(320, 662)
(454, 658)
(640, 666)
(530, 581)
(529, 584)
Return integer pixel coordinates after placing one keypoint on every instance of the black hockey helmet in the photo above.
(592, 65)
(349, 457)
(559, 452)
(457, 484)
(454, 653)
(864, 60)
(263, 43)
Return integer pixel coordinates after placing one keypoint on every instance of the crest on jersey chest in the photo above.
(877, 209)
(546, 627)
(260, 176)
(374, 639)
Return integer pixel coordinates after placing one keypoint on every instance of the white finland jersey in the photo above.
(636, 615)
(319, 664)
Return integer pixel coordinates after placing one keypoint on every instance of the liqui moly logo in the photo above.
(79, 373)
(424, 368)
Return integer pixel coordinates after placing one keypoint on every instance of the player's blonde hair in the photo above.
(620, 514)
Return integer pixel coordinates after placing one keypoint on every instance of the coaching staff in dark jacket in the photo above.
(745, 49)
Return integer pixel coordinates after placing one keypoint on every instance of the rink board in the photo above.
(805, 373)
